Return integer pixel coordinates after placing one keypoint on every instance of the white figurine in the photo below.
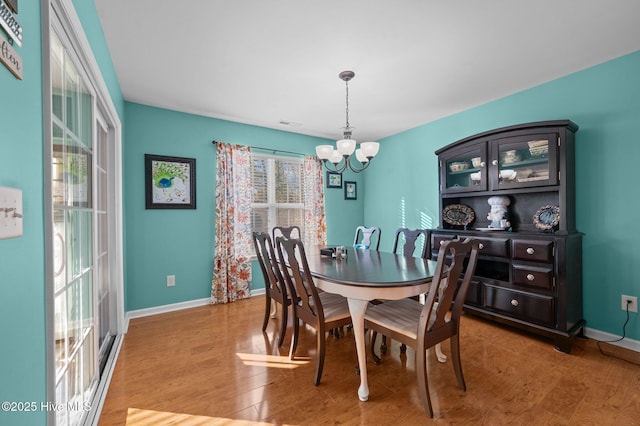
(499, 216)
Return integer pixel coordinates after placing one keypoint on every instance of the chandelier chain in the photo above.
(347, 105)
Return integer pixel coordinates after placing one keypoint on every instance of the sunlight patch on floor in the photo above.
(273, 361)
(138, 416)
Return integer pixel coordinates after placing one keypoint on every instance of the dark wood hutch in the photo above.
(529, 274)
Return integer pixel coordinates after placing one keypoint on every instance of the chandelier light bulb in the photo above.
(370, 149)
(324, 151)
(346, 146)
(360, 156)
(335, 157)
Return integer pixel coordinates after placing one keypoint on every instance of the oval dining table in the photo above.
(365, 275)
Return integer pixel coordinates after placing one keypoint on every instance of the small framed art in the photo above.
(334, 180)
(350, 190)
(170, 182)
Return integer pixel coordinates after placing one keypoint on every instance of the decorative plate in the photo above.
(547, 217)
(458, 214)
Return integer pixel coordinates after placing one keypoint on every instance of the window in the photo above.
(277, 198)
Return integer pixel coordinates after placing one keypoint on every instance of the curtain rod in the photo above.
(270, 149)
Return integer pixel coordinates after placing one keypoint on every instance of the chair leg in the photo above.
(376, 358)
(283, 325)
(383, 345)
(457, 365)
(294, 338)
(423, 383)
(320, 345)
(441, 356)
(267, 310)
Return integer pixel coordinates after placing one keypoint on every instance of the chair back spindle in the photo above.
(365, 235)
(411, 240)
(286, 231)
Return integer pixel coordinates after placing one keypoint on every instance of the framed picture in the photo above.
(350, 190)
(334, 180)
(170, 182)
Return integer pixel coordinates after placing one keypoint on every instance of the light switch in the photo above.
(10, 212)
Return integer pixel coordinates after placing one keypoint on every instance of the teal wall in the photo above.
(605, 102)
(180, 242)
(22, 305)
(23, 375)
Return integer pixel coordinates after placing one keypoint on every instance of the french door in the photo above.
(85, 284)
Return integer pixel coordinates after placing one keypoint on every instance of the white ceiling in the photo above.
(266, 61)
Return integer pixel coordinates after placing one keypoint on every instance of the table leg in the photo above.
(357, 309)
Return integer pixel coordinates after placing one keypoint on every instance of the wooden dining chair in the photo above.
(364, 236)
(286, 231)
(423, 326)
(410, 239)
(323, 311)
(274, 283)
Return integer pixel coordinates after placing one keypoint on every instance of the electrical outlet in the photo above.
(171, 280)
(633, 305)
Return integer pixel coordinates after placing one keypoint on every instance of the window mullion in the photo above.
(271, 193)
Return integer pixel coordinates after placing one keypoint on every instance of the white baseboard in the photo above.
(626, 343)
(140, 313)
(257, 292)
(163, 309)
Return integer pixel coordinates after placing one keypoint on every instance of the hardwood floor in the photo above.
(213, 365)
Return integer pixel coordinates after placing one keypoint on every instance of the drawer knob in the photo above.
(494, 162)
(483, 164)
(514, 302)
(530, 250)
(480, 246)
(531, 277)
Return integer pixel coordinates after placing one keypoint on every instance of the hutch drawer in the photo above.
(541, 278)
(488, 246)
(537, 251)
(494, 246)
(526, 306)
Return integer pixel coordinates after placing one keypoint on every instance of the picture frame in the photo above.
(350, 190)
(334, 180)
(170, 182)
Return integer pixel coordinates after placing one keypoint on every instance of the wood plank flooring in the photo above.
(212, 365)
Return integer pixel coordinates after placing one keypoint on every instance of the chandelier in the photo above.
(337, 160)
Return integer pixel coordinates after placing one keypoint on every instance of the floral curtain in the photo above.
(315, 225)
(232, 264)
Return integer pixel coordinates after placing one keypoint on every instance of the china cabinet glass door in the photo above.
(465, 170)
(527, 161)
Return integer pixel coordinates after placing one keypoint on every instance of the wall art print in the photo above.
(170, 182)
